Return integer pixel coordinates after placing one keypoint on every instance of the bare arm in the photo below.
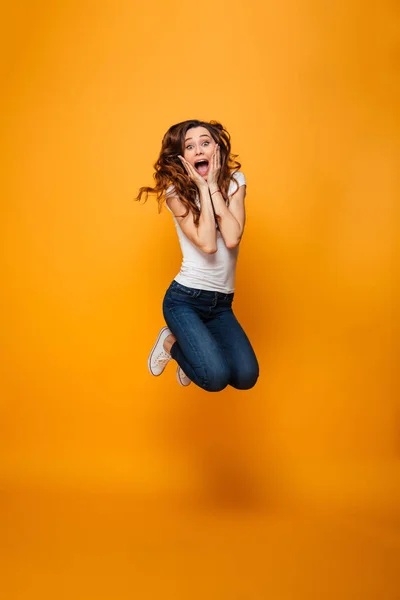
(204, 235)
(231, 220)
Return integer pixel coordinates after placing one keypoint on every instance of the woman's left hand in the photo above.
(215, 167)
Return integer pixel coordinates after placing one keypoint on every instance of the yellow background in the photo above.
(98, 458)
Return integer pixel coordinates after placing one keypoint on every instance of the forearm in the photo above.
(206, 230)
(228, 224)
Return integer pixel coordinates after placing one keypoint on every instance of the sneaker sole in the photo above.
(152, 351)
(179, 379)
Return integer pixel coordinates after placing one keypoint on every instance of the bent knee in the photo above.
(215, 386)
(245, 381)
(217, 381)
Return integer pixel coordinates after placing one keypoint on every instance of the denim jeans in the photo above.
(211, 346)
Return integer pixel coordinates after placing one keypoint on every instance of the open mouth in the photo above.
(201, 167)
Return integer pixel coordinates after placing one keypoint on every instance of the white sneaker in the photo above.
(158, 357)
(182, 378)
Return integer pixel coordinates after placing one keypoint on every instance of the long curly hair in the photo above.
(169, 169)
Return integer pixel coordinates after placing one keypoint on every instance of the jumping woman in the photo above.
(198, 178)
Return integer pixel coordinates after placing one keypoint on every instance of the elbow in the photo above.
(233, 244)
(210, 249)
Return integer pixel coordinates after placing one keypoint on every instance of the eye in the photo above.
(189, 146)
(208, 143)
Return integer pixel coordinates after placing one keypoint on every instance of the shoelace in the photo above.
(163, 358)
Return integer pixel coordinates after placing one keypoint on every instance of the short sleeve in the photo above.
(241, 180)
(170, 191)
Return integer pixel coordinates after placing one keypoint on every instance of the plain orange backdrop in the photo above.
(309, 93)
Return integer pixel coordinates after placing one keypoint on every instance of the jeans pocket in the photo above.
(178, 290)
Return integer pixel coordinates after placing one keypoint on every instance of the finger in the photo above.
(183, 161)
(191, 171)
(211, 161)
(218, 156)
(214, 156)
(211, 166)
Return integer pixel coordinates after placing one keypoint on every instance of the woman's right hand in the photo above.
(215, 167)
(193, 174)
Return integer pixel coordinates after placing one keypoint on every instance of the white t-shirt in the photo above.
(204, 271)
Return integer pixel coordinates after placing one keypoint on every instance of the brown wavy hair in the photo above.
(169, 169)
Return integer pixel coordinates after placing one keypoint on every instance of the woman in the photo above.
(197, 176)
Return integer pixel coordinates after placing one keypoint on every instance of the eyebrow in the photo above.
(203, 135)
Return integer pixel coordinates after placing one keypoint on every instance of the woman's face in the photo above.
(198, 149)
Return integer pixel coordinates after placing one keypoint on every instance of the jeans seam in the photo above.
(194, 350)
(190, 292)
(182, 294)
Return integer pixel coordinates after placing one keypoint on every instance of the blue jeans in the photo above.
(211, 346)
